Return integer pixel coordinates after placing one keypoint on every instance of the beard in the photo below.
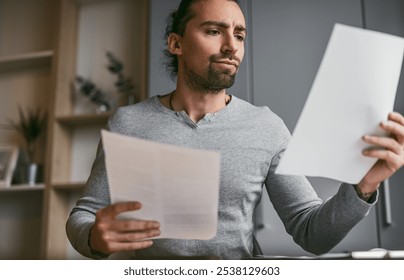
(213, 80)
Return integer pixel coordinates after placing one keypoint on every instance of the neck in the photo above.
(197, 104)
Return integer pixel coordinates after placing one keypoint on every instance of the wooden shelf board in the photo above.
(85, 119)
(72, 186)
(25, 59)
(23, 188)
(83, 2)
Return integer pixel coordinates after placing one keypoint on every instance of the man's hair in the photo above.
(177, 23)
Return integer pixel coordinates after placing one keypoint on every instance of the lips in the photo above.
(225, 58)
(228, 62)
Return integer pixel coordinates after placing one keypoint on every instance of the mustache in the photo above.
(224, 56)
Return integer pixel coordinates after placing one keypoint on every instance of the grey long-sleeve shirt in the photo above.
(251, 141)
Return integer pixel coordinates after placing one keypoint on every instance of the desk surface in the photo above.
(360, 255)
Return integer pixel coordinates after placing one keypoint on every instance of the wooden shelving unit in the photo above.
(26, 57)
(44, 45)
(83, 37)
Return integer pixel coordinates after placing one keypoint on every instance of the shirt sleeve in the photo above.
(82, 217)
(315, 225)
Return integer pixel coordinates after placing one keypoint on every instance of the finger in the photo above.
(131, 225)
(386, 142)
(135, 236)
(394, 128)
(112, 210)
(397, 117)
(393, 161)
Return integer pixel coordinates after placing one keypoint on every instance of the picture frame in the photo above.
(8, 161)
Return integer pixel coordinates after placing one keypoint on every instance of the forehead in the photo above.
(218, 10)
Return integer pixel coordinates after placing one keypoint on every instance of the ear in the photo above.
(174, 43)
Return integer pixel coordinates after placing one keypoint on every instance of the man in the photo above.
(205, 42)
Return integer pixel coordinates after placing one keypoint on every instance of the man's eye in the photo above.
(213, 32)
(239, 37)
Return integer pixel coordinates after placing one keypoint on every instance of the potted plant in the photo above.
(30, 127)
(123, 83)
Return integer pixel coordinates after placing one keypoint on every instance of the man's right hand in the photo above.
(109, 235)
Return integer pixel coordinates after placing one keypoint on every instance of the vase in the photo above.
(32, 174)
(101, 108)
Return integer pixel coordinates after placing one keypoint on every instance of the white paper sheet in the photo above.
(178, 187)
(354, 91)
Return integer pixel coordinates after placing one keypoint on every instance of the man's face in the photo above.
(212, 46)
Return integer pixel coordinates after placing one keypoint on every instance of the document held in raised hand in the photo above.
(354, 90)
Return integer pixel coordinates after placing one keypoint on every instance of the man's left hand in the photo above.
(390, 153)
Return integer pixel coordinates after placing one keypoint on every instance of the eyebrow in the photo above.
(239, 27)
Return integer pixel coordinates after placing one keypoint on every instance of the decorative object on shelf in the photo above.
(123, 83)
(30, 127)
(8, 161)
(96, 95)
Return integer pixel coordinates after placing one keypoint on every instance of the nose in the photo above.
(230, 44)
